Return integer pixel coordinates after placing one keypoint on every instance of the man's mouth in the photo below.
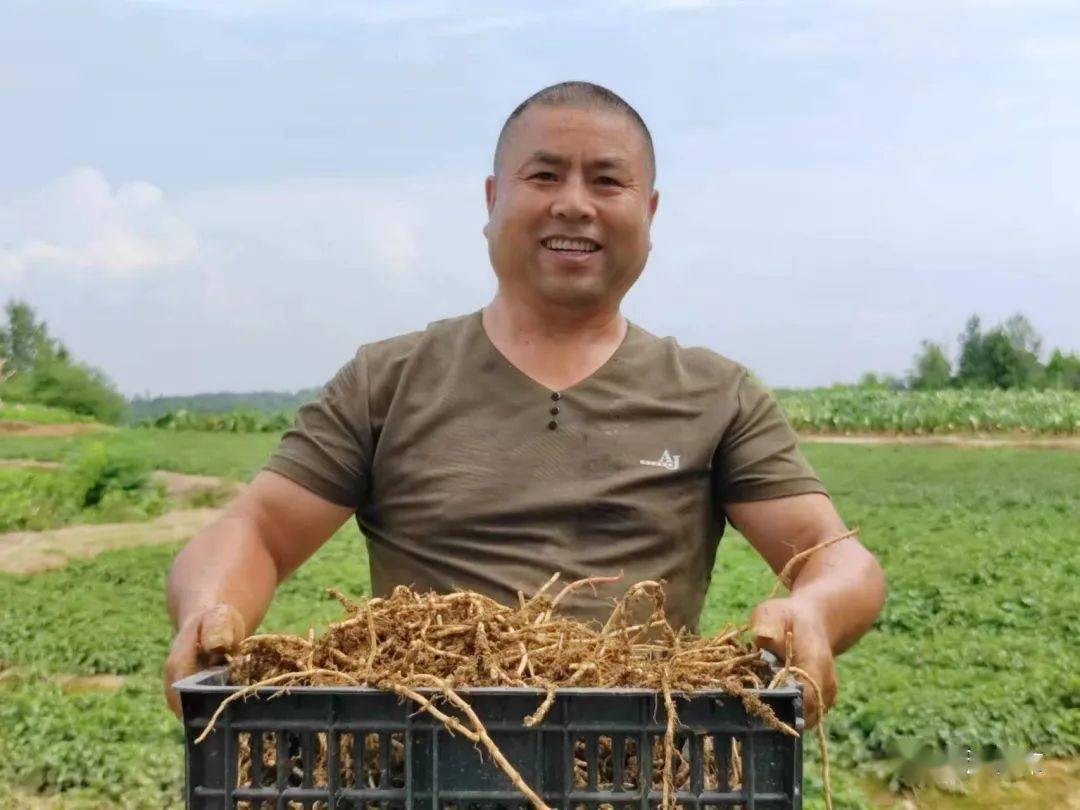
(570, 247)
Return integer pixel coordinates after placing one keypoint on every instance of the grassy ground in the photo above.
(230, 455)
(974, 648)
(38, 414)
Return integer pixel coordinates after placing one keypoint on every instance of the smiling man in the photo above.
(542, 433)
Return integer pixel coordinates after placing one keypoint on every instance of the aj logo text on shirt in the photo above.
(666, 460)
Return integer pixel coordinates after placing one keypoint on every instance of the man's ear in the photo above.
(654, 201)
(489, 196)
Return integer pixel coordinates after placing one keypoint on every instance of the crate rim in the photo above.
(199, 683)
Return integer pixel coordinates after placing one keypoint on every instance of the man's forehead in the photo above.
(561, 132)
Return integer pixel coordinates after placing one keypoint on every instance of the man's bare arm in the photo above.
(836, 593)
(222, 582)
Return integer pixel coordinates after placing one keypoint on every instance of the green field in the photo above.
(976, 647)
(862, 410)
(38, 414)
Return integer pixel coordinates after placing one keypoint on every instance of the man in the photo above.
(543, 433)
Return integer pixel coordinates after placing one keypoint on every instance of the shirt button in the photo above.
(554, 411)
(552, 424)
(556, 396)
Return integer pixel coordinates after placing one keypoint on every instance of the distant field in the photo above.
(855, 410)
(824, 410)
(975, 648)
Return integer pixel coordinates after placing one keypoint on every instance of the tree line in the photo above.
(1004, 356)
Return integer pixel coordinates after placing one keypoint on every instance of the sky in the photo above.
(232, 195)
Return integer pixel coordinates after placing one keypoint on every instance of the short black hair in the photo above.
(580, 94)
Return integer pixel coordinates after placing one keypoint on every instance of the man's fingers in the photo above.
(779, 627)
(220, 632)
(171, 695)
(182, 661)
(811, 709)
(824, 675)
(770, 624)
(203, 640)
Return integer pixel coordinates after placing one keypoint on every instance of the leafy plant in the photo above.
(99, 487)
(865, 410)
(235, 421)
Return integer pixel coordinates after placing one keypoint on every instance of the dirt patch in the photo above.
(956, 441)
(1054, 784)
(180, 486)
(26, 464)
(72, 684)
(37, 429)
(31, 552)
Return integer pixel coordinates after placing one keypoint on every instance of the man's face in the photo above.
(578, 174)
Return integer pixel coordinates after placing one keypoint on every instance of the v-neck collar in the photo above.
(510, 366)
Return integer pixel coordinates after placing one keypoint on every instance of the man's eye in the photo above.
(545, 175)
(607, 180)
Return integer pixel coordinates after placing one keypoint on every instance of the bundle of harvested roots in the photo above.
(449, 642)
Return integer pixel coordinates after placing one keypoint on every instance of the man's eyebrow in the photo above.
(552, 159)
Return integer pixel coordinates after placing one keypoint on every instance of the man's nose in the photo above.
(573, 201)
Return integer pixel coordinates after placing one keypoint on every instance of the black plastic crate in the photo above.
(594, 748)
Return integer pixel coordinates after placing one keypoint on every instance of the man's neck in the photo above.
(557, 348)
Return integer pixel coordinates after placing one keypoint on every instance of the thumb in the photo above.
(770, 624)
(221, 630)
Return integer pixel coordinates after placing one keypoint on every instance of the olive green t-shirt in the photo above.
(466, 473)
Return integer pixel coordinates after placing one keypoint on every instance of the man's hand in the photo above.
(836, 591)
(222, 581)
(201, 642)
(771, 624)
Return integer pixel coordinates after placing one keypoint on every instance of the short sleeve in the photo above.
(758, 457)
(328, 449)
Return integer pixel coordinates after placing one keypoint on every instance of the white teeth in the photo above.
(570, 244)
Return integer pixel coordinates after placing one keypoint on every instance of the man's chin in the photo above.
(574, 295)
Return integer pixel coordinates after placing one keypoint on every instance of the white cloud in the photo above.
(79, 225)
(288, 279)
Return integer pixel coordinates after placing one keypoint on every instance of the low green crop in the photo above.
(857, 410)
(236, 421)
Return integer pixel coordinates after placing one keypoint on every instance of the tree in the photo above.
(1063, 371)
(870, 380)
(4, 375)
(1022, 335)
(24, 339)
(1008, 367)
(1005, 357)
(932, 368)
(972, 369)
(44, 371)
(77, 387)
